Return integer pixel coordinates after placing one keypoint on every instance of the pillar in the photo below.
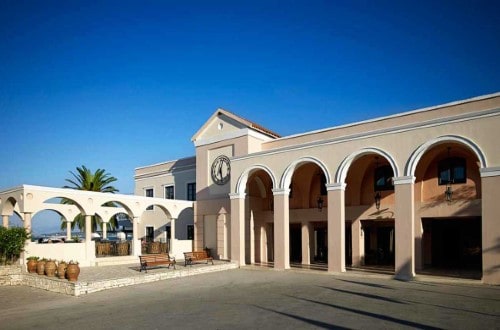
(281, 229)
(238, 228)
(104, 230)
(336, 227)
(68, 230)
(5, 220)
(358, 243)
(404, 227)
(136, 242)
(490, 209)
(198, 233)
(90, 252)
(172, 235)
(221, 236)
(307, 232)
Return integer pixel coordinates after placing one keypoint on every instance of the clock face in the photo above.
(221, 170)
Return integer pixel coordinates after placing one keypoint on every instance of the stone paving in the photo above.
(260, 298)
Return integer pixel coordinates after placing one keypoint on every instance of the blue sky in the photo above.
(122, 84)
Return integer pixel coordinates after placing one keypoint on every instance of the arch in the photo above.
(67, 217)
(121, 208)
(9, 206)
(242, 180)
(415, 157)
(287, 175)
(74, 202)
(162, 207)
(346, 163)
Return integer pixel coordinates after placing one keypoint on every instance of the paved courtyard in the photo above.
(260, 298)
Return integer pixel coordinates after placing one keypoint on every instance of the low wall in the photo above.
(62, 251)
(181, 246)
(11, 275)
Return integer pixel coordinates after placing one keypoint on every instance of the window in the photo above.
(169, 192)
(149, 193)
(191, 191)
(150, 230)
(383, 178)
(452, 170)
(190, 231)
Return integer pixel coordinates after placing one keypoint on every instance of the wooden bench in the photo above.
(151, 260)
(192, 257)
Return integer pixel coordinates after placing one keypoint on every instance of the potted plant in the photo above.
(31, 265)
(61, 269)
(50, 268)
(40, 266)
(72, 271)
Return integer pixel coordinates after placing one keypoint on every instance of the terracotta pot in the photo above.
(72, 272)
(61, 270)
(32, 266)
(40, 267)
(50, 268)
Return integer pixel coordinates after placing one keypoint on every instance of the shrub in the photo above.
(12, 241)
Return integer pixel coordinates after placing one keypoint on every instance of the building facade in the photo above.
(409, 192)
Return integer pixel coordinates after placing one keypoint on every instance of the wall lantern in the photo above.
(448, 193)
(320, 203)
(377, 200)
(378, 196)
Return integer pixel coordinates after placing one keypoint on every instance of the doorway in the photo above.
(379, 239)
(295, 243)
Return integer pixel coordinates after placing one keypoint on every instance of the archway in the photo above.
(369, 213)
(448, 209)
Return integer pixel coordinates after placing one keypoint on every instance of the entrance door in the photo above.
(379, 242)
(453, 243)
(321, 244)
(295, 243)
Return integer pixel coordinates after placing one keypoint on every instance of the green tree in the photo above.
(99, 181)
(12, 241)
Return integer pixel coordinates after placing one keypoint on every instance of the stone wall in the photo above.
(11, 275)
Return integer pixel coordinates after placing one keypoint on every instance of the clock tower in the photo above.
(224, 136)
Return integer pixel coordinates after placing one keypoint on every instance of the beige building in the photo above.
(412, 192)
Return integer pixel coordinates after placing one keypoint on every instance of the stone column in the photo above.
(336, 227)
(68, 230)
(104, 230)
(198, 233)
(136, 242)
(221, 236)
(281, 229)
(172, 236)
(306, 242)
(5, 220)
(404, 223)
(238, 228)
(88, 238)
(490, 183)
(357, 243)
(27, 222)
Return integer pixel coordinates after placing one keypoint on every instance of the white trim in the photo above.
(373, 133)
(401, 114)
(412, 163)
(232, 135)
(281, 192)
(168, 161)
(239, 195)
(243, 179)
(346, 163)
(489, 172)
(286, 178)
(404, 180)
(165, 173)
(336, 186)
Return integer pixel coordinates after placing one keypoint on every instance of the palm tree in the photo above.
(86, 180)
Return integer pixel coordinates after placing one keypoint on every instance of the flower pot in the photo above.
(61, 270)
(40, 267)
(50, 268)
(72, 272)
(32, 266)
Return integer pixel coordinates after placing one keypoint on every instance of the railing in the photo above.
(155, 247)
(112, 249)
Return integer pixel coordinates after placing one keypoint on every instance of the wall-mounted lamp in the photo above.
(448, 193)
(320, 203)
(377, 200)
